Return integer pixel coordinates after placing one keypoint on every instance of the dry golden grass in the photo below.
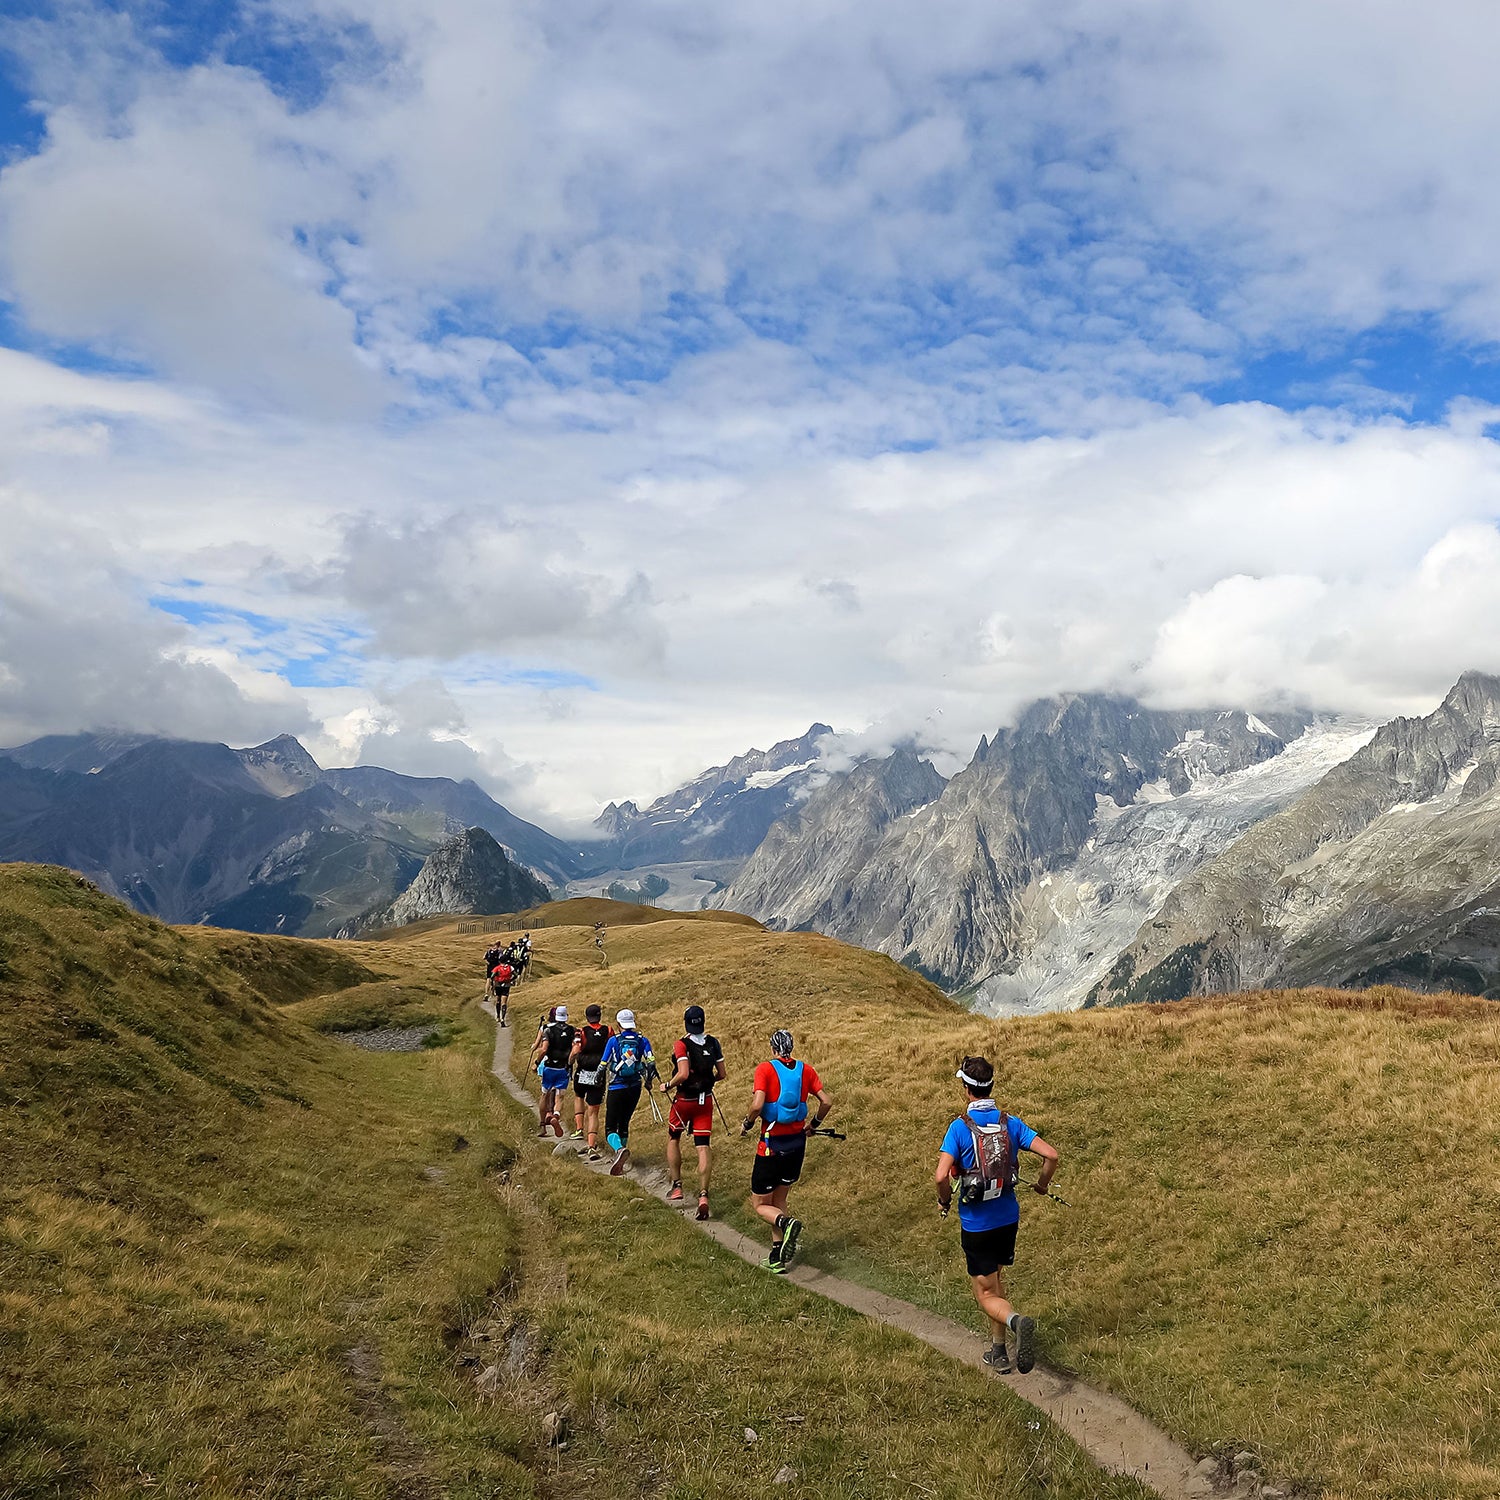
(1286, 1206)
(239, 1259)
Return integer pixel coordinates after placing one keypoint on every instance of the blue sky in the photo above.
(590, 393)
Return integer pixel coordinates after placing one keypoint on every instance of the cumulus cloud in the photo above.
(1119, 193)
(589, 396)
(79, 651)
(466, 584)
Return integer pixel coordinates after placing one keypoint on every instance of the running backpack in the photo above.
(627, 1064)
(788, 1107)
(559, 1043)
(702, 1058)
(995, 1167)
(590, 1068)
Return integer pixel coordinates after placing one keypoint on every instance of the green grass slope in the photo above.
(1285, 1232)
(238, 1258)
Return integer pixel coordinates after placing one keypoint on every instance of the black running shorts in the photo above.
(590, 1093)
(780, 1169)
(986, 1250)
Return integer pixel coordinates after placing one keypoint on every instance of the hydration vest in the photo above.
(589, 1069)
(627, 1064)
(995, 1166)
(788, 1107)
(702, 1058)
(503, 974)
(559, 1043)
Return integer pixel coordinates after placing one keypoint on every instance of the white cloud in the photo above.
(78, 650)
(601, 393)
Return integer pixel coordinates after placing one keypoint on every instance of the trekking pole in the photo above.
(1027, 1182)
(652, 1078)
(823, 1130)
(722, 1120)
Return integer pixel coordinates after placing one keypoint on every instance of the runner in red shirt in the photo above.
(782, 1088)
(698, 1066)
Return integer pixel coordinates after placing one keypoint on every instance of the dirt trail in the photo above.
(1116, 1436)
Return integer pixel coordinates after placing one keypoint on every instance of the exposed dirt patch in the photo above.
(411, 1476)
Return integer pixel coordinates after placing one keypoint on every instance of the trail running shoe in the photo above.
(789, 1244)
(614, 1142)
(674, 1193)
(577, 1135)
(997, 1358)
(702, 1205)
(1025, 1345)
(618, 1165)
(557, 1126)
(771, 1263)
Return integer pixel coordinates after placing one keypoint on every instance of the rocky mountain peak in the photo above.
(282, 766)
(1475, 699)
(466, 873)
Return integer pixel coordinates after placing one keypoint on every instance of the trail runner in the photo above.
(980, 1152)
(501, 977)
(780, 1093)
(699, 1065)
(628, 1057)
(587, 1061)
(554, 1046)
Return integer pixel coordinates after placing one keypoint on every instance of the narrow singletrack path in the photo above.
(1116, 1436)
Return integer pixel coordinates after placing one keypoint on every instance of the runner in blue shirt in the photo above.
(987, 1207)
(628, 1057)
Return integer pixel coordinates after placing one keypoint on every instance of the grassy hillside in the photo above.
(1286, 1218)
(240, 1258)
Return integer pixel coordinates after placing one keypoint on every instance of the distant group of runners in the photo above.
(504, 966)
(614, 1067)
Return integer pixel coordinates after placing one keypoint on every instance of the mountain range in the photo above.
(1095, 852)
(723, 813)
(1386, 871)
(952, 878)
(261, 839)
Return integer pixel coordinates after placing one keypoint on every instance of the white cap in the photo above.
(562, 1012)
(626, 1018)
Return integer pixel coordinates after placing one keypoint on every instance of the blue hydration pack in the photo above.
(778, 1111)
(627, 1063)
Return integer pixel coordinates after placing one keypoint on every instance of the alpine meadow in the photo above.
(749, 751)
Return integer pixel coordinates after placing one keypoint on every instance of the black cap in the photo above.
(693, 1018)
(593, 1013)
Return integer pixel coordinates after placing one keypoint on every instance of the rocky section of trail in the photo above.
(1116, 1436)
